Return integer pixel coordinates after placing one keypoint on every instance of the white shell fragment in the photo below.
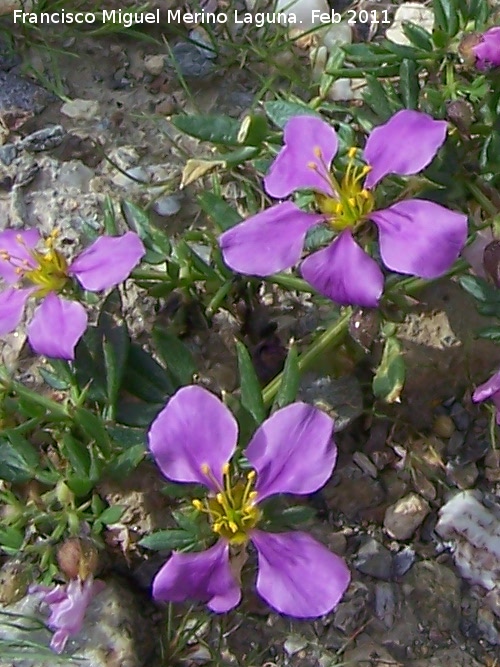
(410, 12)
(303, 11)
(475, 534)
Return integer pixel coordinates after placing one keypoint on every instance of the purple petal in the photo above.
(487, 51)
(345, 273)
(404, 145)
(203, 577)
(292, 451)
(269, 241)
(12, 303)
(17, 244)
(193, 430)
(304, 137)
(474, 252)
(108, 261)
(56, 327)
(297, 575)
(420, 237)
(487, 389)
(68, 605)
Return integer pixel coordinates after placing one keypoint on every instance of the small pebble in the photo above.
(402, 561)
(374, 559)
(8, 154)
(404, 517)
(154, 64)
(443, 426)
(460, 417)
(463, 477)
(365, 464)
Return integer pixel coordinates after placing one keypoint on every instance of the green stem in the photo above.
(482, 199)
(289, 282)
(218, 298)
(146, 274)
(56, 410)
(332, 336)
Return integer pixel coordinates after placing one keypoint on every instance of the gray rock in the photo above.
(8, 154)
(341, 397)
(43, 140)
(433, 590)
(191, 60)
(21, 98)
(116, 625)
(402, 561)
(448, 657)
(385, 603)
(375, 560)
(79, 109)
(404, 517)
(486, 625)
(352, 612)
(167, 205)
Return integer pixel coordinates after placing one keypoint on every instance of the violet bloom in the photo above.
(193, 439)
(59, 321)
(416, 236)
(489, 390)
(68, 604)
(487, 51)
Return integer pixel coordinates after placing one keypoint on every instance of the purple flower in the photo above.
(59, 321)
(68, 604)
(416, 236)
(192, 440)
(487, 51)
(490, 389)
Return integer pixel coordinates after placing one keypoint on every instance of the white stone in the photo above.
(8, 6)
(79, 109)
(154, 64)
(303, 11)
(412, 12)
(475, 534)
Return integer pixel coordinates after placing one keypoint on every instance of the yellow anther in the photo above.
(312, 165)
(205, 468)
(251, 475)
(220, 498)
(19, 238)
(4, 254)
(366, 169)
(225, 469)
(317, 151)
(365, 194)
(233, 527)
(18, 271)
(352, 201)
(252, 496)
(352, 152)
(197, 504)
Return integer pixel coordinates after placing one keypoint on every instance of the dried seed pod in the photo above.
(78, 557)
(491, 261)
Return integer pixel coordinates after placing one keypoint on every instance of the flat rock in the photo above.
(404, 517)
(374, 559)
(79, 109)
(448, 657)
(20, 99)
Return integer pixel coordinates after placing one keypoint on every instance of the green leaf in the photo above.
(217, 129)
(18, 459)
(446, 16)
(251, 394)
(77, 454)
(93, 427)
(222, 214)
(175, 355)
(490, 333)
(487, 297)
(418, 36)
(290, 380)
(253, 130)
(280, 111)
(145, 378)
(408, 84)
(156, 242)
(111, 514)
(166, 540)
(390, 376)
(11, 539)
(80, 486)
(53, 380)
(376, 98)
(124, 463)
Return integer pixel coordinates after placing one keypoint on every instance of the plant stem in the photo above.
(332, 336)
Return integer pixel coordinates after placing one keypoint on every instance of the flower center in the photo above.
(232, 511)
(48, 269)
(353, 202)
